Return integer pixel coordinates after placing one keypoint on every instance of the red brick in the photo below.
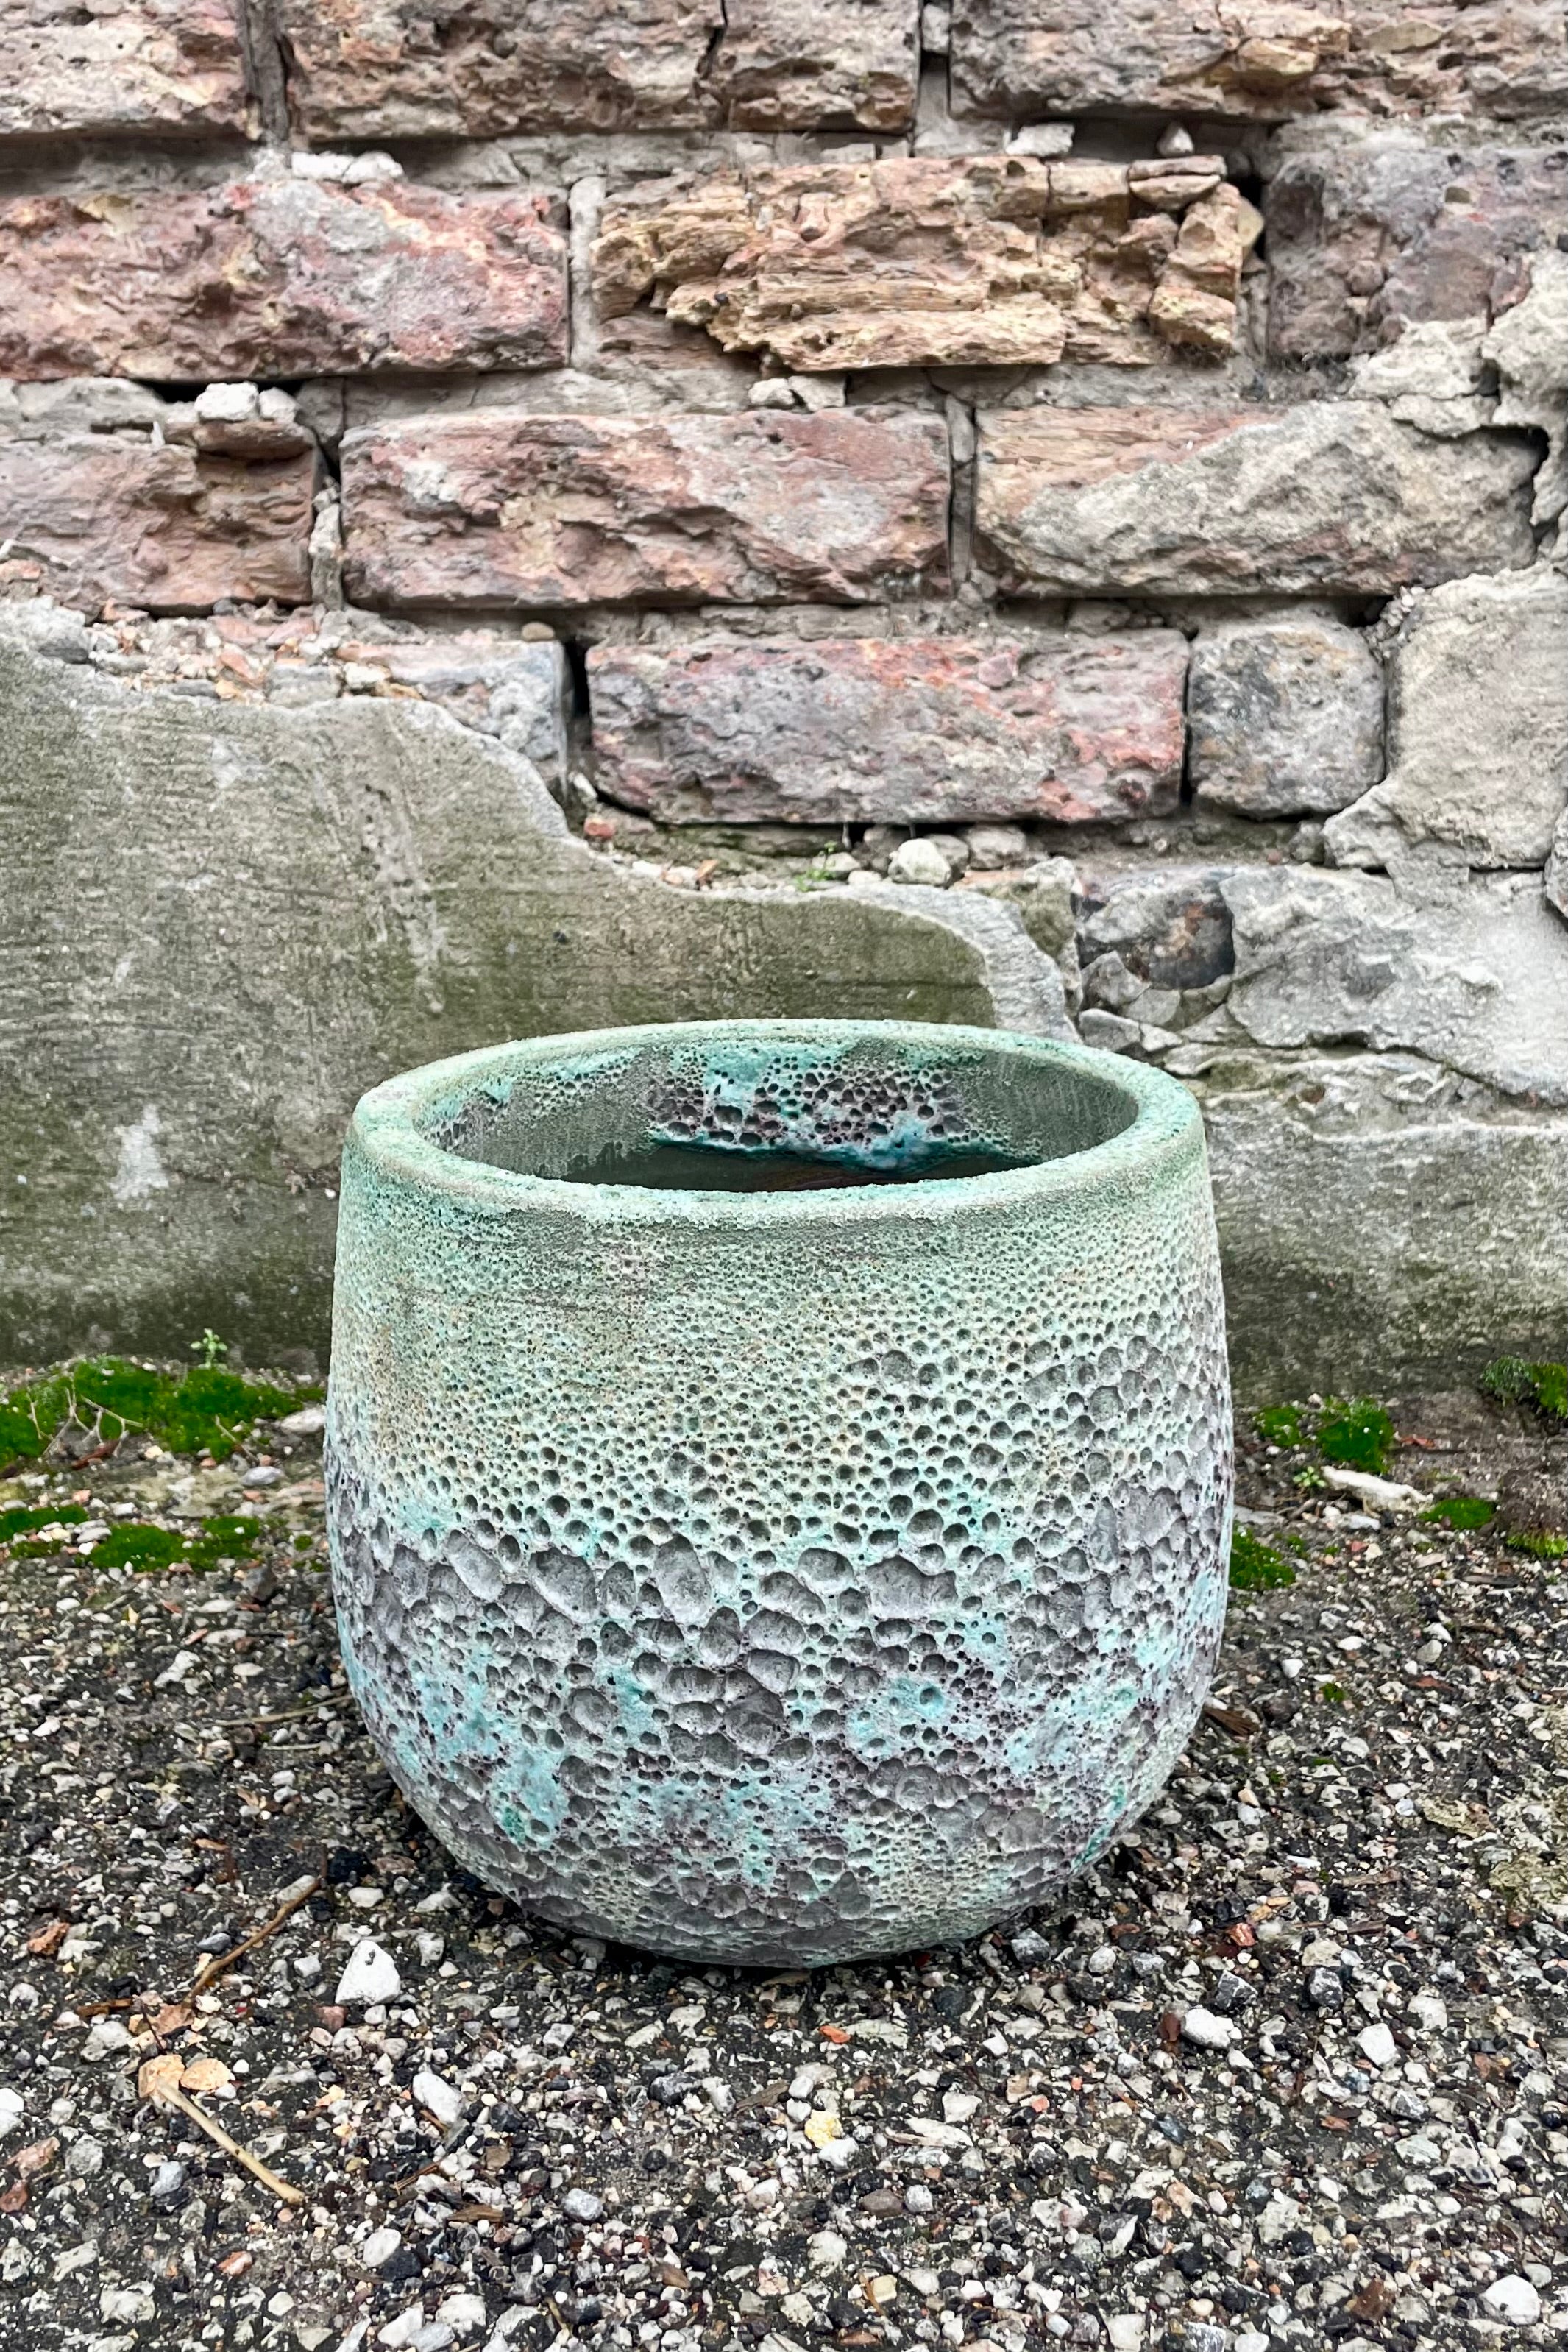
(380, 69)
(495, 509)
(147, 66)
(918, 731)
(273, 278)
(90, 520)
(1330, 495)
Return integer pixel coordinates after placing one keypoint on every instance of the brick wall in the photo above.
(1121, 448)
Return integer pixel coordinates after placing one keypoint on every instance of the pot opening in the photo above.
(763, 1108)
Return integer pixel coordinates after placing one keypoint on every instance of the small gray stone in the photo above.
(920, 861)
(1326, 1989)
(167, 2184)
(84, 2158)
(581, 2205)
(1207, 2031)
(1285, 716)
(370, 1974)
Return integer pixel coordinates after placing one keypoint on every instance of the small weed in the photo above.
(1278, 1424)
(209, 1346)
(1462, 1512)
(1539, 1542)
(1514, 1381)
(205, 1410)
(1255, 1566)
(1333, 1693)
(1311, 1480)
(1356, 1435)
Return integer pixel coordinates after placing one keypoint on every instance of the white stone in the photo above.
(581, 2205)
(1125, 2330)
(1202, 2027)
(1512, 2299)
(919, 861)
(1278, 2219)
(308, 1422)
(403, 2330)
(11, 2110)
(957, 2106)
(228, 404)
(438, 2097)
(370, 1974)
(464, 2313)
(1377, 2042)
(380, 2247)
(826, 2251)
(1042, 139)
(1428, 2011)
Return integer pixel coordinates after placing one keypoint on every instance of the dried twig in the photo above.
(160, 2082)
(222, 1962)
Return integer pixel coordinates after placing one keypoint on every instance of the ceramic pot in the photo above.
(779, 1575)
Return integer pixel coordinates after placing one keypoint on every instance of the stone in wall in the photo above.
(916, 730)
(497, 509)
(1381, 1221)
(1474, 976)
(1284, 714)
(1329, 495)
(303, 902)
(166, 68)
(1262, 60)
(279, 276)
(1363, 240)
(92, 518)
(976, 260)
(482, 68)
(1478, 727)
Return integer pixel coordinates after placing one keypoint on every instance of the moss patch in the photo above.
(1255, 1566)
(205, 1410)
(1278, 1424)
(1542, 1386)
(1540, 1543)
(1356, 1435)
(1462, 1512)
(20, 1519)
(137, 1543)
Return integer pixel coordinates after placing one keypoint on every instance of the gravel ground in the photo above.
(1291, 2068)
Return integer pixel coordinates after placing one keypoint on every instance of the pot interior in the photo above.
(760, 1108)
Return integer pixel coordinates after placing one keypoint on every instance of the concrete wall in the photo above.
(1019, 513)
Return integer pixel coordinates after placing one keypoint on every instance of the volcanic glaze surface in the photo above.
(767, 1578)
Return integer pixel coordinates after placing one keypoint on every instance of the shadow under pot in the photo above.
(779, 1472)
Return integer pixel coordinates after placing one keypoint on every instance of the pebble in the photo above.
(439, 2097)
(380, 2247)
(167, 2183)
(581, 2205)
(308, 1422)
(1207, 2031)
(84, 2158)
(11, 2110)
(1512, 2299)
(371, 1975)
(1377, 2042)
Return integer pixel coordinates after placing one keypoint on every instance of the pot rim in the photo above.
(385, 1129)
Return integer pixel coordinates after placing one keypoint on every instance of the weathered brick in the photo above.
(176, 529)
(935, 260)
(918, 731)
(1330, 495)
(1285, 714)
(1477, 725)
(502, 509)
(389, 69)
(271, 278)
(146, 65)
(1257, 59)
(1362, 241)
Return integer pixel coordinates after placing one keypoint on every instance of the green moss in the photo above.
(1357, 1435)
(1278, 1424)
(136, 1544)
(1333, 1693)
(1543, 1386)
(1255, 1566)
(1462, 1511)
(20, 1519)
(205, 1410)
(1539, 1542)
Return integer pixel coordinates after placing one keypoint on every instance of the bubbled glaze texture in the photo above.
(767, 1581)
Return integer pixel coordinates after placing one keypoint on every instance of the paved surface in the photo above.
(1291, 2068)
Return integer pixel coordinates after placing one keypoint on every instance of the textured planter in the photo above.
(779, 1576)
